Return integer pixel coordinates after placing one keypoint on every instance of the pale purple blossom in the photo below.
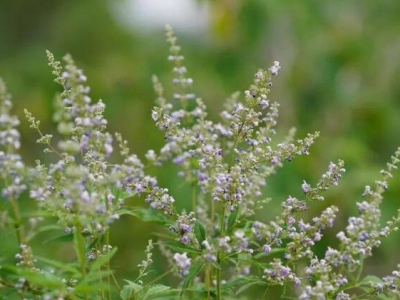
(182, 262)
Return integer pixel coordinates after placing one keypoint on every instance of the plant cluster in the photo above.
(219, 249)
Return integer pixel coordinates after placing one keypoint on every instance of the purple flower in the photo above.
(185, 239)
(305, 187)
(179, 159)
(275, 68)
(186, 228)
(183, 262)
(267, 249)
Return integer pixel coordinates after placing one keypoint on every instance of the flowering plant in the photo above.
(218, 249)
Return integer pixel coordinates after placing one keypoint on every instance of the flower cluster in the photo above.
(182, 262)
(10, 161)
(219, 245)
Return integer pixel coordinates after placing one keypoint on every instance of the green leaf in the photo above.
(95, 276)
(79, 244)
(245, 287)
(48, 228)
(126, 292)
(384, 297)
(93, 282)
(60, 239)
(371, 278)
(59, 265)
(44, 279)
(232, 220)
(273, 251)
(129, 290)
(122, 194)
(155, 291)
(145, 214)
(243, 281)
(199, 232)
(102, 260)
(193, 271)
(216, 265)
(8, 270)
(365, 283)
(180, 247)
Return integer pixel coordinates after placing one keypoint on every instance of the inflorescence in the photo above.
(219, 244)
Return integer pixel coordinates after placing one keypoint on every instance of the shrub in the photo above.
(218, 249)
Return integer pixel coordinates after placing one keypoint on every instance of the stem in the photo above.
(218, 281)
(194, 196)
(222, 224)
(18, 222)
(80, 251)
(212, 210)
(234, 146)
(158, 278)
(264, 296)
(115, 282)
(222, 233)
(17, 216)
(49, 145)
(107, 242)
(207, 280)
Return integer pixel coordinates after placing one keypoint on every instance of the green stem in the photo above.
(218, 281)
(80, 250)
(194, 196)
(212, 210)
(222, 224)
(207, 280)
(264, 296)
(17, 217)
(18, 221)
(158, 278)
(222, 233)
(107, 242)
(234, 146)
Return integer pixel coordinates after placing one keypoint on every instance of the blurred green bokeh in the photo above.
(340, 75)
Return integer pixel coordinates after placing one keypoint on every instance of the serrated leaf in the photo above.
(129, 290)
(193, 271)
(126, 292)
(199, 232)
(154, 292)
(180, 247)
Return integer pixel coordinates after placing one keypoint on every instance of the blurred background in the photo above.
(340, 75)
